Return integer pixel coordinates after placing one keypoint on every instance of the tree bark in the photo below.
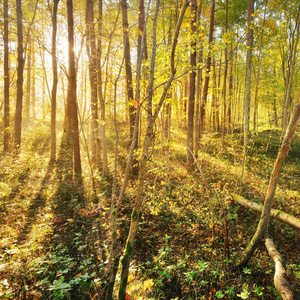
(208, 66)
(257, 77)
(198, 85)
(100, 93)
(225, 124)
(92, 56)
(28, 82)
(55, 81)
(275, 213)
(248, 81)
(33, 74)
(7, 135)
(72, 114)
(20, 70)
(128, 70)
(265, 216)
(280, 277)
(290, 71)
(140, 39)
(191, 104)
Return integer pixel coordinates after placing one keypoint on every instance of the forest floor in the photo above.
(53, 245)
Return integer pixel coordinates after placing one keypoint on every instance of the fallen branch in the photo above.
(280, 278)
(275, 213)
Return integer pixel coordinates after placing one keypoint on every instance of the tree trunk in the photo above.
(28, 82)
(100, 94)
(19, 102)
(191, 104)
(248, 71)
(230, 93)
(147, 142)
(264, 219)
(72, 114)
(208, 65)
(55, 81)
(33, 73)
(92, 56)
(7, 136)
(214, 101)
(257, 77)
(141, 32)
(129, 85)
(248, 82)
(224, 91)
(275, 213)
(290, 72)
(280, 278)
(198, 85)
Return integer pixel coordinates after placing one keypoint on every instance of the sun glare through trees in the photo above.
(150, 149)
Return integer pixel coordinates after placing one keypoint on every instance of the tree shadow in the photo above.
(17, 180)
(75, 253)
(38, 203)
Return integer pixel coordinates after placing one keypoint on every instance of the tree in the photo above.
(100, 93)
(191, 103)
(19, 102)
(28, 81)
(55, 81)
(224, 91)
(207, 72)
(128, 70)
(7, 136)
(248, 79)
(125, 261)
(71, 121)
(92, 57)
(290, 70)
(263, 224)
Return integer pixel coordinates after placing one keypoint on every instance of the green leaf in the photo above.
(243, 295)
(220, 294)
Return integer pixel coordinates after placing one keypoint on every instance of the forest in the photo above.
(149, 149)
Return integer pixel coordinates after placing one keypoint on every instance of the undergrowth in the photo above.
(54, 245)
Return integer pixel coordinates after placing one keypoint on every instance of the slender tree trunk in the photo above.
(128, 71)
(263, 224)
(230, 93)
(224, 91)
(129, 85)
(248, 82)
(214, 102)
(141, 32)
(198, 85)
(7, 135)
(100, 94)
(257, 77)
(191, 104)
(92, 56)
(55, 81)
(20, 70)
(207, 73)
(147, 142)
(72, 114)
(33, 73)
(28, 82)
(290, 72)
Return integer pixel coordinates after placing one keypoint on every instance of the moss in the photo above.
(134, 215)
(114, 212)
(127, 254)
